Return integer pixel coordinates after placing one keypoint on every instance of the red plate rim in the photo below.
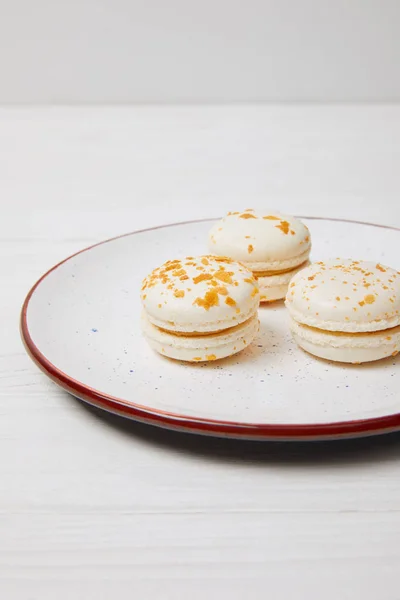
(132, 410)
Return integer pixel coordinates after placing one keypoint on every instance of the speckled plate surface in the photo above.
(81, 325)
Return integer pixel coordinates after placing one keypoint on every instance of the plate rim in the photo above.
(191, 424)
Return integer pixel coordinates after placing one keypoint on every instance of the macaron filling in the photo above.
(274, 266)
(344, 338)
(258, 274)
(346, 346)
(203, 334)
(204, 347)
(205, 327)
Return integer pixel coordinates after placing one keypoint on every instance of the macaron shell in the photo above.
(277, 265)
(201, 348)
(275, 287)
(345, 295)
(356, 348)
(200, 294)
(272, 293)
(266, 238)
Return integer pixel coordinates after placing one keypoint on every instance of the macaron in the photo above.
(346, 310)
(273, 246)
(200, 309)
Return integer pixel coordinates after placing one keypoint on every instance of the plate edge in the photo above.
(294, 432)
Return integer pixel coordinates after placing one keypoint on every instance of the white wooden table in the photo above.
(93, 507)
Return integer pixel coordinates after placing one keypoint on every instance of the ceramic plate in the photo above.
(81, 325)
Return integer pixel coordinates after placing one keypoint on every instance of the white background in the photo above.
(96, 508)
(123, 51)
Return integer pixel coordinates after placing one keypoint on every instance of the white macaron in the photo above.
(346, 310)
(200, 309)
(272, 245)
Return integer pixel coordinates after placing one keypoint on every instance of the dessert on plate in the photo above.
(273, 246)
(346, 310)
(200, 309)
